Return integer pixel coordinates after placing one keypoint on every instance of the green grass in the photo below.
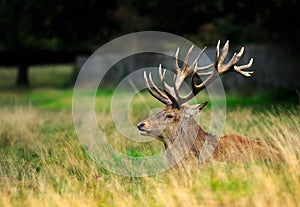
(42, 162)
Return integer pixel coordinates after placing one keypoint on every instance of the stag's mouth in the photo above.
(144, 131)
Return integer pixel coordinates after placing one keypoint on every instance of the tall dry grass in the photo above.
(43, 164)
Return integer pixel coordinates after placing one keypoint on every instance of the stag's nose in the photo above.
(140, 125)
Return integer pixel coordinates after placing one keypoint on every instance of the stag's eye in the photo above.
(169, 116)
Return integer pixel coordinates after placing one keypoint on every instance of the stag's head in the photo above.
(167, 122)
(177, 115)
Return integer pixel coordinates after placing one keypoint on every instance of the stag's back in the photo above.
(235, 148)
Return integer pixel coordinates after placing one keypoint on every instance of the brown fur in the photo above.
(181, 126)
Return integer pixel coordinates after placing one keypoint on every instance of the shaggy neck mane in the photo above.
(190, 137)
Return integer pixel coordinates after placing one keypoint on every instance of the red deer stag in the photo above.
(176, 121)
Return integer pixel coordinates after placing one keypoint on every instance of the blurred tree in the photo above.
(207, 21)
(51, 30)
(38, 31)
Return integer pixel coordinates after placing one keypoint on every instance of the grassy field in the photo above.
(43, 164)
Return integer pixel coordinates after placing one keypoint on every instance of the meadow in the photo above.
(42, 162)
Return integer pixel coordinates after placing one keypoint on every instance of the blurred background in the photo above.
(44, 43)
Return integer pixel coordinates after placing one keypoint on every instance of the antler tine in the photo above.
(204, 73)
(203, 67)
(187, 57)
(197, 88)
(170, 92)
(160, 98)
(242, 67)
(198, 57)
(156, 88)
(224, 52)
(194, 64)
(217, 53)
(185, 71)
(236, 57)
(195, 67)
(176, 61)
(184, 99)
(162, 75)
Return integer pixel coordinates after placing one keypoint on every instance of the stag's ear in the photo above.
(194, 109)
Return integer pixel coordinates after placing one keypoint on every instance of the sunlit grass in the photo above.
(42, 162)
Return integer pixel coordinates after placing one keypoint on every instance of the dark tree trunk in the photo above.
(22, 76)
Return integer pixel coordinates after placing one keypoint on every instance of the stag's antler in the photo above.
(171, 96)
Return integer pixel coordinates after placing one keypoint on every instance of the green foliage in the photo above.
(82, 25)
(53, 25)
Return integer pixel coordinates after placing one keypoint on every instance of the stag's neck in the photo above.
(189, 131)
(192, 141)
